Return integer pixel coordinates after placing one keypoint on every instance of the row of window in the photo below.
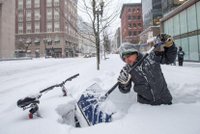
(133, 33)
(37, 3)
(134, 17)
(134, 10)
(134, 25)
(37, 17)
(28, 4)
(37, 27)
(37, 14)
(56, 29)
(37, 30)
(186, 21)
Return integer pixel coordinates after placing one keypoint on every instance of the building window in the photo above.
(37, 3)
(134, 25)
(28, 3)
(28, 27)
(183, 24)
(129, 17)
(20, 18)
(49, 27)
(37, 30)
(37, 27)
(49, 13)
(139, 25)
(191, 15)
(28, 15)
(56, 26)
(37, 14)
(28, 30)
(129, 10)
(139, 17)
(49, 30)
(129, 33)
(56, 17)
(49, 3)
(49, 17)
(20, 31)
(130, 25)
(20, 24)
(20, 4)
(20, 27)
(56, 14)
(138, 10)
(56, 3)
(134, 18)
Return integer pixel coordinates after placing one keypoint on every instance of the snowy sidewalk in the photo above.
(21, 78)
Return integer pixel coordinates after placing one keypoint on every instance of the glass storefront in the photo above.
(193, 48)
(192, 18)
(185, 27)
(185, 45)
(183, 22)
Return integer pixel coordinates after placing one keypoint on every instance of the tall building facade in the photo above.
(46, 27)
(131, 22)
(152, 12)
(183, 24)
(86, 38)
(169, 5)
(7, 28)
(117, 38)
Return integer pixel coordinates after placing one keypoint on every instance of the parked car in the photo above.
(87, 56)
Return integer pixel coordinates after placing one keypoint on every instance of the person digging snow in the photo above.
(148, 79)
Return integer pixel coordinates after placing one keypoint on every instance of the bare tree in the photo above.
(95, 11)
(98, 12)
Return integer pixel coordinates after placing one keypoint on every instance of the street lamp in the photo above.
(45, 47)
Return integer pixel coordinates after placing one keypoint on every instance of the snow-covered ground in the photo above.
(19, 79)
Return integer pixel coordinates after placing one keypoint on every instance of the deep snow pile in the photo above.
(19, 79)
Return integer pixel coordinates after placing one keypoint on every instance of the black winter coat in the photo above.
(148, 79)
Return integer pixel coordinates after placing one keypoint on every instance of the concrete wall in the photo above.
(7, 28)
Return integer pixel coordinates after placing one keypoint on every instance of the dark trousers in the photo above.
(180, 62)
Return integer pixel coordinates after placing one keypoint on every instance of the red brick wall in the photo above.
(131, 22)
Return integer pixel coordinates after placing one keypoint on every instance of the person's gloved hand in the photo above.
(168, 42)
(124, 76)
(163, 41)
(166, 39)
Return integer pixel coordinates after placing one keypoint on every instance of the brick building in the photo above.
(7, 28)
(131, 22)
(46, 28)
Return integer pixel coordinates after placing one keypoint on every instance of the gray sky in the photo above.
(114, 6)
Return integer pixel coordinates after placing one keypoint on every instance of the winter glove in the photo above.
(169, 42)
(163, 41)
(124, 76)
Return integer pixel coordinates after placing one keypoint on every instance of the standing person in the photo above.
(181, 54)
(148, 79)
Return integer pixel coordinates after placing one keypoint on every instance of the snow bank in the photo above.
(21, 78)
